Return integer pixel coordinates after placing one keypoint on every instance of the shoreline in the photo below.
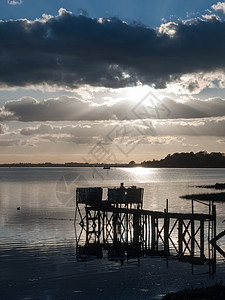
(206, 197)
(28, 165)
(216, 291)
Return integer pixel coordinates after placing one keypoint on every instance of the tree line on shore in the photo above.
(200, 159)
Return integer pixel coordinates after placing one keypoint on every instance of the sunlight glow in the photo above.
(139, 171)
(139, 92)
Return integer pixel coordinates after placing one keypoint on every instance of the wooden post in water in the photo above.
(99, 226)
(149, 232)
(157, 232)
(87, 226)
(166, 235)
(192, 238)
(146, 232)
(136, 228)
(166, 230)
(180, 237)
(192, 231)
(103, 227)
(202, 239)
(153, 244)
(127, 226)
(214, 228)
(115, 217)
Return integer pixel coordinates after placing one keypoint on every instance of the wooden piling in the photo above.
(202, 241)
(214, 227)
(153, 242)
(99, 226)
(87, 226)
(166, 236)
(180, 237)
(115, 215)
(136, 226)
(192, 238)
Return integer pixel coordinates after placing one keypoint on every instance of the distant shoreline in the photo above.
(66, 165)
(28, 165)
(190, 160)
(220, 197)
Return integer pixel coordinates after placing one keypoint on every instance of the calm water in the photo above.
(37, 249)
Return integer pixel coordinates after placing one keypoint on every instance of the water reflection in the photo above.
(141, 174)
(39, 271)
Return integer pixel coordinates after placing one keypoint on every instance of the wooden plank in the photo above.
(156, 214)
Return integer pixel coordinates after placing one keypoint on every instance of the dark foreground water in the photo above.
(37, 246)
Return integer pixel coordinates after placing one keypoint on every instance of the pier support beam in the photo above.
(153, 242)
(192, 238)
(180, 237)
(202, 240)
(166, 236)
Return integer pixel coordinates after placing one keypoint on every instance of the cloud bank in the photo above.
(28, 109)
(69, 50)
(111, 131)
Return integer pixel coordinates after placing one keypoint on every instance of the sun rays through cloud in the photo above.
(75, 77)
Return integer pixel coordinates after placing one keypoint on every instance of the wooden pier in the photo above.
(133, 232)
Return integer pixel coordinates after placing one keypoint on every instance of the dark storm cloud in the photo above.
(71, 50)
(65, 108)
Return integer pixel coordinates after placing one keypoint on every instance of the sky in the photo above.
(110, 81)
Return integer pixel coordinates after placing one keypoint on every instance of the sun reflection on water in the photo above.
(140, 173)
